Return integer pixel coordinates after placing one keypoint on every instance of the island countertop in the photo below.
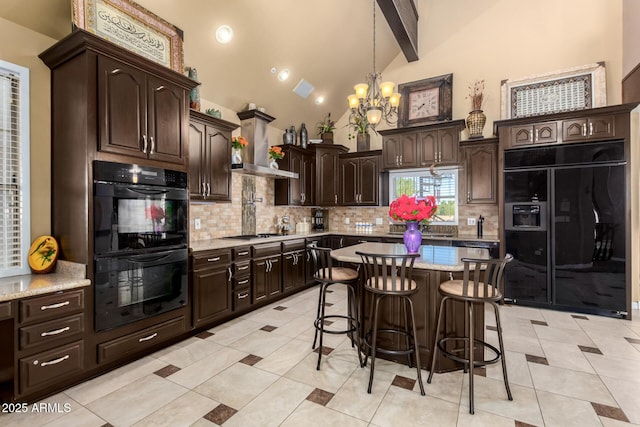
(437, 258)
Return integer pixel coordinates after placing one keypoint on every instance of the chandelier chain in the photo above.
(374, 35)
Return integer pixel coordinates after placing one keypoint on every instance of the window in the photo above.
(15, 222)
(441, 183)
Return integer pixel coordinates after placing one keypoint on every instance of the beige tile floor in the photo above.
(565, 369)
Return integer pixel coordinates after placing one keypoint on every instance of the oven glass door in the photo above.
(131, 217)
(130, 288)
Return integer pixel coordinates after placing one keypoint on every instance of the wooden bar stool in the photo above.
(483, 288)
(328, 275)
(390, 276)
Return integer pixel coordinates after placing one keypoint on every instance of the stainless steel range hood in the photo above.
(255, 127)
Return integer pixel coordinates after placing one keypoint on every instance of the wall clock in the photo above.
(425, 101)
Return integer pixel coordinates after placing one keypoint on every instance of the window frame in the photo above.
(24, 180)
(401, 173)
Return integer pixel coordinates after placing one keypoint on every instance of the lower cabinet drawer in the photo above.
(51, 306)
(45, 368)
(5, 310)
(120, 347)
(52, 333)
(241, 298)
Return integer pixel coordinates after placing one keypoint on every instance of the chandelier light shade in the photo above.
(374, 100)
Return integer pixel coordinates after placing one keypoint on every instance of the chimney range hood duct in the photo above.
(255, 158)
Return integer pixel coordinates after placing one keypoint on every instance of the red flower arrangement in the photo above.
(406, 208)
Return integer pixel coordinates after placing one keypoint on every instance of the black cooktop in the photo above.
(252, 236)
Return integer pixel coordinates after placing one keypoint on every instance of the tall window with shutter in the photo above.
(14, 169)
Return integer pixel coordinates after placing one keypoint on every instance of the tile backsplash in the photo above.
(229, 219)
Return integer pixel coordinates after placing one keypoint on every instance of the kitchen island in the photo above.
(435, 265)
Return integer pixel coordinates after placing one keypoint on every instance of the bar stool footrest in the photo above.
(400, 352)
(459, 359)
(353, 321)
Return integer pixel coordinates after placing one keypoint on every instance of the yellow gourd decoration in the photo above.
(43, 254)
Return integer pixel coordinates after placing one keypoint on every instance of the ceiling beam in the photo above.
(402, 17)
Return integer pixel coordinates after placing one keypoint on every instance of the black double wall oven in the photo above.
(140, 242)
(564, 224)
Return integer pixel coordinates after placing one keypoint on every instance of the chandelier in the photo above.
(373, 100)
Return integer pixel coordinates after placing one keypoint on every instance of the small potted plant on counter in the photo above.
(326, 128)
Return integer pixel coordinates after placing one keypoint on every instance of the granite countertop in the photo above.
(226, 243)
(67, 275)
(441, 258)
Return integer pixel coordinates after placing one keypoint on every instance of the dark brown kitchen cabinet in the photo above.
(538, 133)
(328, 173)
(293, 264)
(399, 151)
(438, 146)
(301, 191)
(209, 157)
(50, 337)
(360, 179)
(266, 269)
(479, 178)
(588, 128)
(212, 286)
(140, 115)
(421, 146)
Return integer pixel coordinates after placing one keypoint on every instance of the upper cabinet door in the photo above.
(427, 147)
(121, 108)
(369, 181)
(349, 170)
(448, 144)
(197, 172)
(391, 150)
(218, 165)
(166, 113)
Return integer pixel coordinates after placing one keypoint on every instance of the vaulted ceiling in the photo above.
(329, 43)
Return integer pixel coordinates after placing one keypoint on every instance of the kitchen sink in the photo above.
(252, 236)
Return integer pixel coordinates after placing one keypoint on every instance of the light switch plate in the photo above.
(197, 224)
(346, 220)
(378, 221)
(471, 221)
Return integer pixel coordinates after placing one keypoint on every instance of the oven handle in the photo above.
(157, 256)
(147, 192)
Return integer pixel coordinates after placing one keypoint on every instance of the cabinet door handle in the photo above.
(584, 129)
(400, 159)
(230, 273)
(537, 137)
(468, 196)
(153, 145)
(302, 197)
(53, 362)
(208, 189)
(243, 253)
(243, 268)
(159, 88)
(55, 332)
(397, 160)
(341, 241)
(213, 259)
(58, 305)
(335, 198)
(144, 144)
(242, 282)
(150, 337)
(268, 266)
(115, 71)
(243, 296)
(590, 129)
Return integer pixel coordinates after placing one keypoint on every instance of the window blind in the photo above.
(14, 152)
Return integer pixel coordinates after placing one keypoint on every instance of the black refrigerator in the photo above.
(564, 209)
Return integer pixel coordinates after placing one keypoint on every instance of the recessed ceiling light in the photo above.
(224, 34)
(319, 100)
(283, 75)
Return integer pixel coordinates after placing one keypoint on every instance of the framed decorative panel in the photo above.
(132, 27)
(566, 90)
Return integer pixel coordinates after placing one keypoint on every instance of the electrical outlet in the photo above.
(197, 224)
(378, 221)
(471, 221)
(346, 221)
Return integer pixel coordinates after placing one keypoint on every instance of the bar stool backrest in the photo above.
(388, 273)
(321, 262)
(485, 283)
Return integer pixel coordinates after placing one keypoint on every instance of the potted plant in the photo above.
(326, 128)
(275, 153)
(238, 143)
(476, 119)
(361, 126)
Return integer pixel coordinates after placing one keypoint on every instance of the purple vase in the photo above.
(412, 237)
